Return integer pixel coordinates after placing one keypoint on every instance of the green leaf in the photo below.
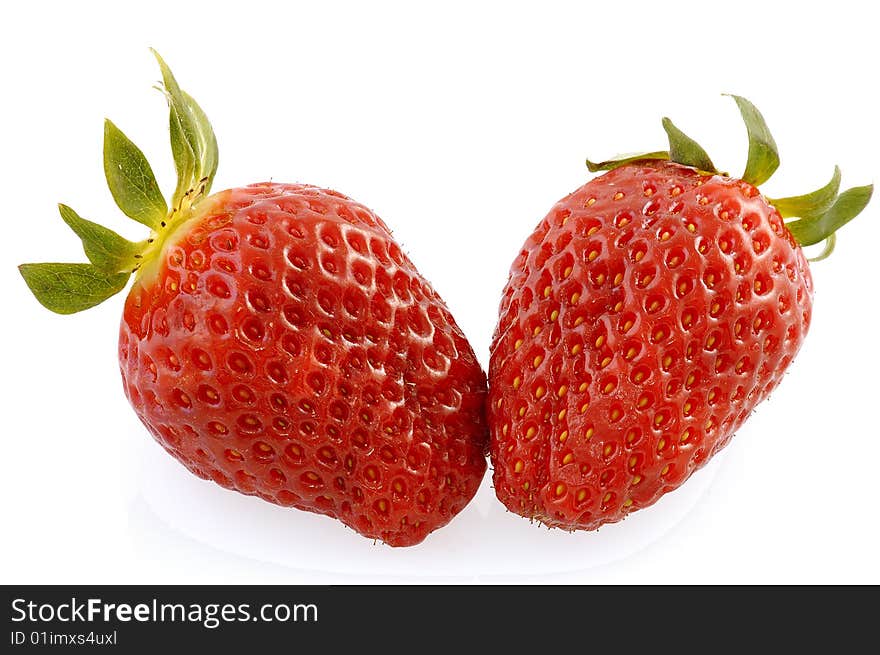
(623, 160)
(209, 151)
(184, 159)
(70, 288)
(848, 205)
(830, 242)
(105, 249)
(763, 155)
(193, 142)
(131, 179)
(684, 150)
(810, 205)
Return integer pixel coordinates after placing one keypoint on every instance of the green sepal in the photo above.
(623, 160)
(105, 249)
(763, 159)
(830, 242)
(193, 142)
(71, 288)
(210, 151)
(131, 179)
(810, 205)
(684, 150)
(846, 207)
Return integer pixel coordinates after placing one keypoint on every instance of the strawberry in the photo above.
(645, 317)
(277, 341)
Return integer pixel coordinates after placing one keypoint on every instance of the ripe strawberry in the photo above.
(277, 341)
(646, 316)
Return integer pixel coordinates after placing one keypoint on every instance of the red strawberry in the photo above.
(277, 341)
(647, 315)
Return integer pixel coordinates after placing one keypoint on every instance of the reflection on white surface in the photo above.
(484, 540)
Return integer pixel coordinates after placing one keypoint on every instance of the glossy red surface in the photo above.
(643, 320)
(285, 347)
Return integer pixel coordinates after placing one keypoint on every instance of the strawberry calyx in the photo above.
(66, 288)
(811, 218)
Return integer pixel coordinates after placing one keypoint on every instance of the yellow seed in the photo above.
(575, 297)
(575, 349)
(667, 361)
(566, 272)
(605, 362)
(517, 344)
(630, 437)
(554, 314)
(583, 387)
(578, 321)
(584, 407)
(659, 420)
(643, 401)
(607, 450)
(630, 353)
(639, 255)
(600, 279)
(687, 408)
(561, 414)
(609, 387)
(531, 432)
(639, 376)
(525, 486)
(691, 227)
(627, 325)
(581, 495)
(562, 391)
(591, 202)
(540, 391)
(664, 236)
(632, 461)
(690, 380)
(505, 429)
(547, 291)
(516, 382)
(704, 200)
(665, 470)
(518, 466)
(592, 255)
(589, 433)
(592, 230)
(536, 331)
(600, 340)
(618, 195)
(627, 502)
(563, 436)
(615, 414)
(560, 490)
(536, 362)
(607, 497)
(618, 279)
(685, 435)
(522, 411)
(636, 479)
(568, 459)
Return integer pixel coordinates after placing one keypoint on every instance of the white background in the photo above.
(460, 125)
